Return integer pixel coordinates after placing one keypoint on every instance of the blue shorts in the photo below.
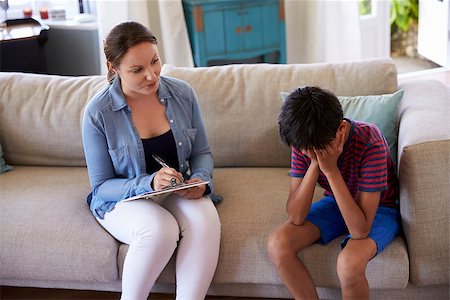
(325, 214)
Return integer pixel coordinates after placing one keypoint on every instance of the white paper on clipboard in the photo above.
(165, 191)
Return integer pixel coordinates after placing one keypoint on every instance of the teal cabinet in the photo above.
(235, 29)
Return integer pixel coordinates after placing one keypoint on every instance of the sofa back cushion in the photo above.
(40, 117)
(240, 103)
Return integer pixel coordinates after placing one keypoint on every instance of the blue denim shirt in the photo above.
(114, 151)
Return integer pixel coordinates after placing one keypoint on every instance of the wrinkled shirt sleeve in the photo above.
(105, 184)
(200, 160)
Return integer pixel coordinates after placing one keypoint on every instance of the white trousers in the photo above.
(153, 231)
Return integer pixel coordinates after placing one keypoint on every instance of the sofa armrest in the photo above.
(424, 168)
(423, 113)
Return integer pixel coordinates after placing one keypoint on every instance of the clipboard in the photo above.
(156, 195)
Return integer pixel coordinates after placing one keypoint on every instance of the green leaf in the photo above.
(404, 13)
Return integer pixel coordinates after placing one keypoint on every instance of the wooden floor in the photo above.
(16, 293)
(7, 293)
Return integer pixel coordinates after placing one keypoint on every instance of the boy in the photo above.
(351, 161)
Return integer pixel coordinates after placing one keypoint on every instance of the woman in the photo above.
(140, 114)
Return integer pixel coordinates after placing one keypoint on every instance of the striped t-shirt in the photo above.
(365, 164)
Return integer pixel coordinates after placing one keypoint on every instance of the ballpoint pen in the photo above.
(160, 161)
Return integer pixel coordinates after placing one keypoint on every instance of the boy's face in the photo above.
(339, 138)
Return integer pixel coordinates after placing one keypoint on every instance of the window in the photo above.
(365, 7)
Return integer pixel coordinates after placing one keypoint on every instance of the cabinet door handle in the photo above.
(281, 10)
(198, 18)
(248, 28)
(238, 29)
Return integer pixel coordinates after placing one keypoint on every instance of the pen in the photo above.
(160, 161)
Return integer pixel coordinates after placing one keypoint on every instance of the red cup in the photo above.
(44, 13)
(27, 12)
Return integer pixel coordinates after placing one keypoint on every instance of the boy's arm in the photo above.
(301, 193)
(358, 215)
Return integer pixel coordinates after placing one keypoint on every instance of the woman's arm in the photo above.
(102, 175)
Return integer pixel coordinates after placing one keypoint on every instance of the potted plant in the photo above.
(404, 25)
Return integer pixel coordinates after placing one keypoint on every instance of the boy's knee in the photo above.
(349, 268)
(279, 245)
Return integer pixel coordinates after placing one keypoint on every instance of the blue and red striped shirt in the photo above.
(365, 164)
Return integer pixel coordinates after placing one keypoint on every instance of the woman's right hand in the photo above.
(164, 177)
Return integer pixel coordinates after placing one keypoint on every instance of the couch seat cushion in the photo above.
(47, 230)
(254, 204)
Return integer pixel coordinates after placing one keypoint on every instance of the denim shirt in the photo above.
(114, 151)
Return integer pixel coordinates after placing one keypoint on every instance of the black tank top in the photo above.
(164, 146)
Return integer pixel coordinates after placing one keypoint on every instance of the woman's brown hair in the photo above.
(121, 38)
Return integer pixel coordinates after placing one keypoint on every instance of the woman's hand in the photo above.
(164, 178)
(193, 192)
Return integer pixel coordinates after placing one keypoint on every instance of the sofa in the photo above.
(49, 238)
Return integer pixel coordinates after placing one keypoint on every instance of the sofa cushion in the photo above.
(40, 117)
(255, 203)
(381, 110)
(243, 101)
(254, 206)
(47, 230)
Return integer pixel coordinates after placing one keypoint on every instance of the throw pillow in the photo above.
(381, 110)
(3, 166)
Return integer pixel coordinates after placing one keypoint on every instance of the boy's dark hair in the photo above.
(309, 118)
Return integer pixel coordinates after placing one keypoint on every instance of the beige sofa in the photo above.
(49, 238)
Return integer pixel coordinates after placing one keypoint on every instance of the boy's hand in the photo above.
(328, 157)
(312, 155)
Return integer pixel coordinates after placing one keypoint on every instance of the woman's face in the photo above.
(139, 70)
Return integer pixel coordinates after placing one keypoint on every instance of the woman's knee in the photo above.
(209, 217)
(201, 218)
(162, 229)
